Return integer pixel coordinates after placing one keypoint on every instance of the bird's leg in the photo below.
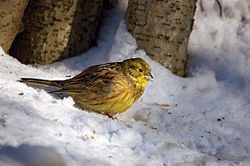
(110, 115)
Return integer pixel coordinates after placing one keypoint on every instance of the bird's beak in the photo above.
(149, 76)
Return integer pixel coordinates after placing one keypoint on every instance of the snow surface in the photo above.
(207, 122)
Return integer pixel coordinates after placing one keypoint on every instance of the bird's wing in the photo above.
(94, 81)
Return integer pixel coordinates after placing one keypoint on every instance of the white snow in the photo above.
(207, 122)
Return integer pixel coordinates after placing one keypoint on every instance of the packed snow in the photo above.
(201, 119)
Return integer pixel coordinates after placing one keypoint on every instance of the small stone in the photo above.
(5, 116)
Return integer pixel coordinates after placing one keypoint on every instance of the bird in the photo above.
(109, 88)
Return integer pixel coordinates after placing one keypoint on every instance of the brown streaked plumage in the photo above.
(108, 88)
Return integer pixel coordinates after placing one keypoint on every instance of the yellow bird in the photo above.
(109, 88)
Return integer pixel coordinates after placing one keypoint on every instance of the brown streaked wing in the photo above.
(94, 81)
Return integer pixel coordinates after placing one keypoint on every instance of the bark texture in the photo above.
(11, 13)
(57, 29)
(162, 29)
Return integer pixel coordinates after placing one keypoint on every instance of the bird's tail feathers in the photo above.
(34, 81)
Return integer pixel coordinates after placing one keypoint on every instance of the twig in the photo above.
(201, 6)
(220, 7)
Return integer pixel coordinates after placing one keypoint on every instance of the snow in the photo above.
(207, 122)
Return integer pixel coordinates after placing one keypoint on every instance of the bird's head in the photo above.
(137, 70)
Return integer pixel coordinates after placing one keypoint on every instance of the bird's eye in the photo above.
(140, 70)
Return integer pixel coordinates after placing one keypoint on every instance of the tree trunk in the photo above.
(162, 29)
(57, 29)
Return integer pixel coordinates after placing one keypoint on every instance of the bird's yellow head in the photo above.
(137, 70)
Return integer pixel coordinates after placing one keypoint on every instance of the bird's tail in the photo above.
(33, 81)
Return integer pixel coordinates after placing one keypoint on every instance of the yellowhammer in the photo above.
(108, 88)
